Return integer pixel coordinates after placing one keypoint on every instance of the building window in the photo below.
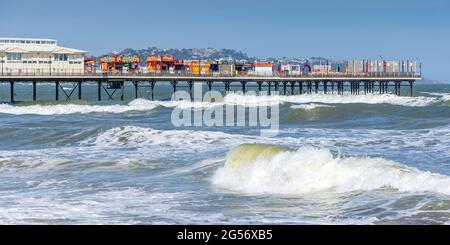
(14, 56)
(61, 57)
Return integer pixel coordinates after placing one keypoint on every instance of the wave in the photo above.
(61, 109)
(442, 96)
(311, 106)
(332, 99)
(255, 169)
(230, 99)
(134, 136)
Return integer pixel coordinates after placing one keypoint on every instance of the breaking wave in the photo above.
(61, 109)
(268, 169)
(134, 136)
(311, 106)
(442, 96)
(230, 99)
(333, 99)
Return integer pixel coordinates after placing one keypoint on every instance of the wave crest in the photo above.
(309, 170)
(61, 109)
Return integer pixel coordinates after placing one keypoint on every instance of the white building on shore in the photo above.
(39, 56)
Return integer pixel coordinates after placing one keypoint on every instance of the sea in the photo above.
(334, 159)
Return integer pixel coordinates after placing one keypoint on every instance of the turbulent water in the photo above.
(338, 159)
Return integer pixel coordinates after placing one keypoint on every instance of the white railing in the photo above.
(215, 74)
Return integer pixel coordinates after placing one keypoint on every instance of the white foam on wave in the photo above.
(333, 99)
(90, 206)
(61, 109)
(134, 136)
(311, 106)
(230, 99)
(312, 170)
(442, 96)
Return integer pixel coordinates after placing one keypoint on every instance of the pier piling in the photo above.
(243, 86)
(11, 84)
(411, 88)
(99, 91)
(79, 90)
(259, 86)
(377, 84)
(57, 90)
(34, 90)
(174, 85)
(135, 89)
(209, 83)
(190, 89)
(122, 90)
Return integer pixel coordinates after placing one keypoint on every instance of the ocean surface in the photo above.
(340, 159)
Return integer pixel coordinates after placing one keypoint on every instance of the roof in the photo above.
(40, 48)
(35, 45)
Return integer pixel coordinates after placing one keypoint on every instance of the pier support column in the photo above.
(284, 87)
(270, 85)
(122, 90)
(209, 83)
(57, 90)
(310, 87)
(325, 87)
(99, 91)
(300, 87)
(227, 86)
(174, 85)
(11, 84)
(79, 90)
(316, 87)
(190, 89)
(243, 86)
(332, 87)
(276, 85)
(379, 89)
(152, 88)
(135, 83)
(411, 88)
(292, 88)
(259, 86)
(34, 90)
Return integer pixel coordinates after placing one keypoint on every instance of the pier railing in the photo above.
(212, 75)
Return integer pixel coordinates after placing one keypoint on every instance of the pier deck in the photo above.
(286, 85)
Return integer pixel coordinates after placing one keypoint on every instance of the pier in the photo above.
(112, 83)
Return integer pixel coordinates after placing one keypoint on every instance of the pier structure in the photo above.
(111, 84)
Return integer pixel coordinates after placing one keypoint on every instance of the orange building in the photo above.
(158, 64)
(119, 63)
(197, 67)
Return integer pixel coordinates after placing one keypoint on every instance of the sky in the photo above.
(335, 29)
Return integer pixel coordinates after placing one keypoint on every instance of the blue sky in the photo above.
(353, 29)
